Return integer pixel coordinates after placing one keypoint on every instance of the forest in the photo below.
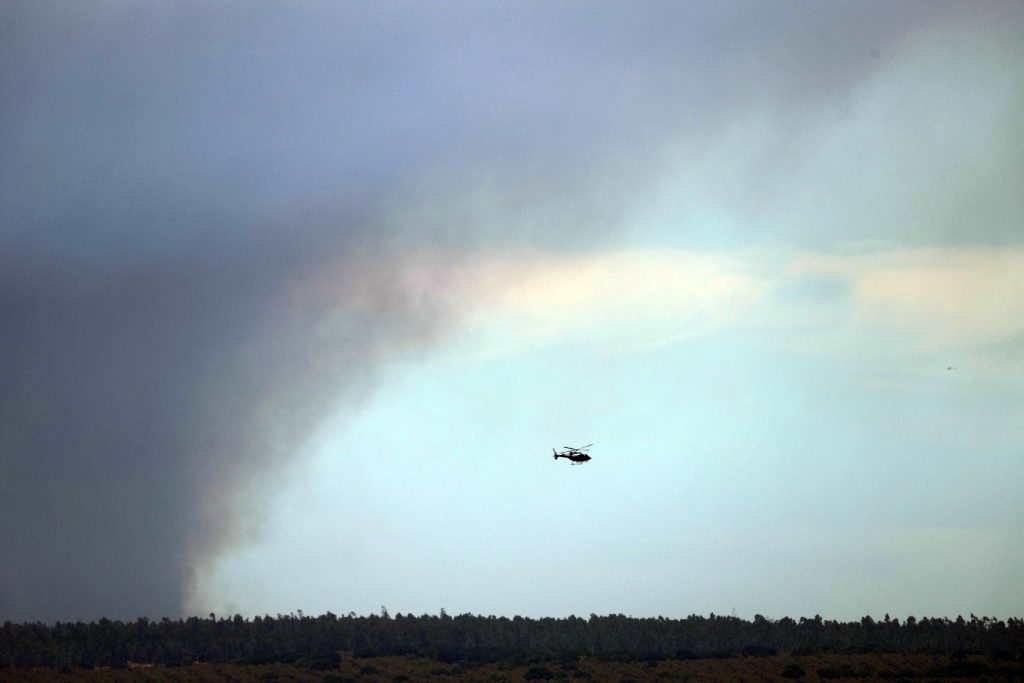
(321, 642)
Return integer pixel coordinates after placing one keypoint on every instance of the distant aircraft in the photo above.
(577, 455)
(951, 367)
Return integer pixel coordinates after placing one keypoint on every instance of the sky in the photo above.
(296, 299)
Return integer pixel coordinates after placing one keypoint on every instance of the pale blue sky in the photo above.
(728, 473)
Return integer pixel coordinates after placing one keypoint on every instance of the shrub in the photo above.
(538, 673)
(844, 671)
(793, 671)
(963, 668)
(319, 662)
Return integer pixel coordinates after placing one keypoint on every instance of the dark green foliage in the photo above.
(844, 671)
(466, 640)
(613, 657)
(793, 671)
(324, 662)
(961, 668)
(1011, 672)
(538, 673)
(448, 653)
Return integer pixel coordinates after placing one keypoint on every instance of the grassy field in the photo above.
(874, 667)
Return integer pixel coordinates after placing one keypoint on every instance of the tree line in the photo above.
(320, 642)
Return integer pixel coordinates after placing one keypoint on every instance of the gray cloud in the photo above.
(170, 171)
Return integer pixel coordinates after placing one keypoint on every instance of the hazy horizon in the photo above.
(295, 301)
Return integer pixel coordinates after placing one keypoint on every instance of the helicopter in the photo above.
(578, 455)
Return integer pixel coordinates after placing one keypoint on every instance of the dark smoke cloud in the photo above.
(172, 173)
